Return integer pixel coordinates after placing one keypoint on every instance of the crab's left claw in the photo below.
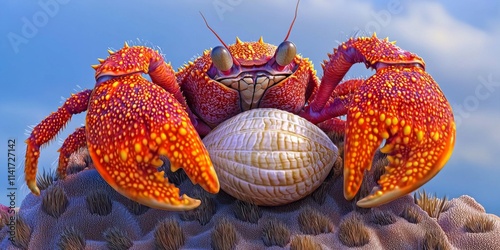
(400, 104)
(405, 107)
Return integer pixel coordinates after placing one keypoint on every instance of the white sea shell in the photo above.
(270, 157)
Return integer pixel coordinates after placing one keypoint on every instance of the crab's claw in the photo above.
(400, 104)
(405, 107)
(131, 122)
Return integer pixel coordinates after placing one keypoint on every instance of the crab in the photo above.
(131, 122)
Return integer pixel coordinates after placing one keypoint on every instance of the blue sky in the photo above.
(47, 48)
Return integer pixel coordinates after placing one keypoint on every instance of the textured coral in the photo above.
(84, 212)
(431, 204)
(353, 232)
(275, 233)
(169, 235)
(313, 221)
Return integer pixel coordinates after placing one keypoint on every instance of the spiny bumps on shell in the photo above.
(83, 211)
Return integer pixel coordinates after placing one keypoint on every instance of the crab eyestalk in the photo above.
(285, 54)
(222, 59)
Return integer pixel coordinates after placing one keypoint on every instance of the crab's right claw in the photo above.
(401, 104)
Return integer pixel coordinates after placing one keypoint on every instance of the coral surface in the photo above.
(84, 212)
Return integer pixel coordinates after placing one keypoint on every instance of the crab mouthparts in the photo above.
(252, 87)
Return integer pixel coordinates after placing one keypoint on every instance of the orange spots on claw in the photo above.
(123, 155)
(413, 117)
(402, 104)
(375, 50)
(435, 137)
(407, 130)
(128, 61)
(157, 163)
(182, 131)
(138, 158)
(137, 147)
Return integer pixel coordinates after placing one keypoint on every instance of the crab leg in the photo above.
(326, 119)
(336, 106)
(400, 104)
(70, 145)
(48, 129)
(131, 122)
(335, 102)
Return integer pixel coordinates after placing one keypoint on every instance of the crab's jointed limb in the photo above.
(47, 130)
(335, 107)
(400, 104)
(71, 144)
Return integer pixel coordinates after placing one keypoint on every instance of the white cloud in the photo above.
(453, 45)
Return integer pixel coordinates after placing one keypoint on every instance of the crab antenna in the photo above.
(293, 21)
(218, 37)
(213, 31)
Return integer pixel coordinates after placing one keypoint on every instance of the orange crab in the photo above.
(132, 121)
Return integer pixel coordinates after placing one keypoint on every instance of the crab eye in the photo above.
(285, 53)
(221, 58)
